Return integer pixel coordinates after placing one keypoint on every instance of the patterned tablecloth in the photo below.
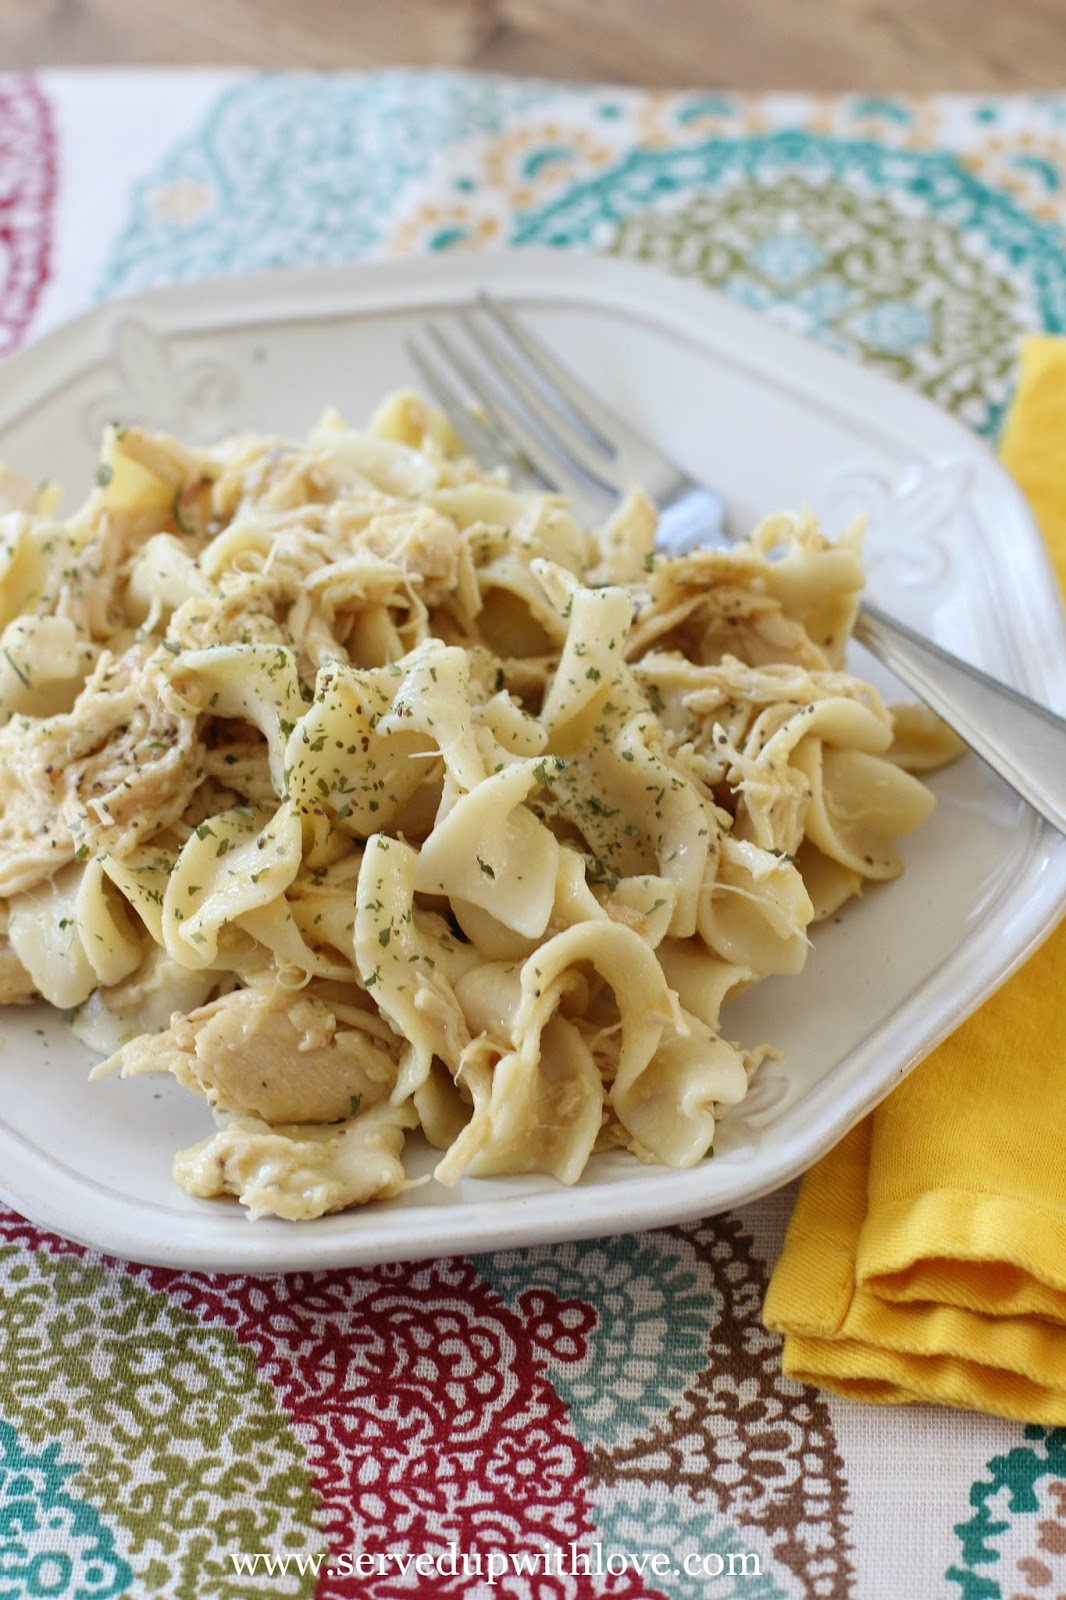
(592, 1399)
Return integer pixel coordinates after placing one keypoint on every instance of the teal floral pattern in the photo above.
(638, 1517)
(51, 1542)
(654, 1305)
(1021, 1500)
(290, 171)
(675, 1390)
(901, 258)
(862, 224)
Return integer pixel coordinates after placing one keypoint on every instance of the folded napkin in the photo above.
(926, 1256)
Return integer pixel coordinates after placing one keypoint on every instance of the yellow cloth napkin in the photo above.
(926, 1256)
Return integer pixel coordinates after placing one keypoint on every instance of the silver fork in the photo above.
(517, 405)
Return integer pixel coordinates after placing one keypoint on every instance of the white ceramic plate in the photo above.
(772, 422)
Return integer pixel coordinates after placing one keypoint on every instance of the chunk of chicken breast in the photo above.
(267, 1052)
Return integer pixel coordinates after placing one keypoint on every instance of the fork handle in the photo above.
(1023, 741)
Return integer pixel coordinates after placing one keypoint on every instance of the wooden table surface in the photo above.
(743, 44)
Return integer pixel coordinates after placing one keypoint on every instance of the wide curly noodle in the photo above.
(363, 793)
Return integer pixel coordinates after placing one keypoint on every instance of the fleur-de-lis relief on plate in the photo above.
(151, 386)
(913, 518)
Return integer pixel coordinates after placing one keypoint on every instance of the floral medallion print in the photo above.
(899, 257)
(1030, 169)
(742, 1437)
(1013, 1546)
(288, 171)
(859, 274)
(619, 1366)
(514, 1404)
(426, 1412)
(27, 195)
(51, 1542)
(147, 1420)
(640, 1516)
(678, 1387)
(843, 219)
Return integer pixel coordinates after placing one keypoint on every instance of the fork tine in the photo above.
(481, 443)
(525, 398)
(552, 468)
(614, 452)
(587, 409)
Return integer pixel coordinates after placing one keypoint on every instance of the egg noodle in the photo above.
(365, 794)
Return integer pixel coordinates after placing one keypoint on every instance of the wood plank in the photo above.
(871, 45)
(808, 44)
(262, 33)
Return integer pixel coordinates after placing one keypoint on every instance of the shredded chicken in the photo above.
(298, 1172)
(267, 1052)
(118, 768)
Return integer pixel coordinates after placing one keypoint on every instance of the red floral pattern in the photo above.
(425, 1409)
(427, 1413)
(27, 195)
